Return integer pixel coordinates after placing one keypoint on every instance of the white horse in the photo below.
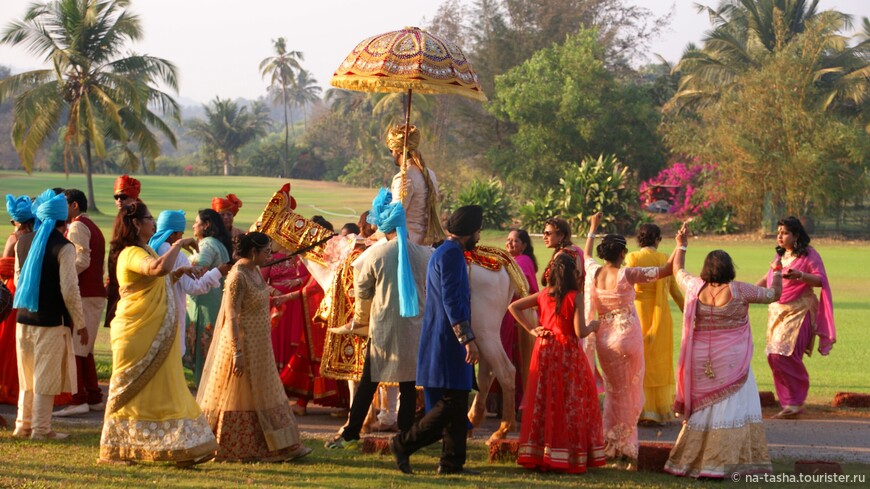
(491, 292)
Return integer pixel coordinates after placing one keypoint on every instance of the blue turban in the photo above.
(19, 208)
(389, 216)
(167, 223)
(48, 208)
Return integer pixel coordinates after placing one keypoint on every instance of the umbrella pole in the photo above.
(404, 166)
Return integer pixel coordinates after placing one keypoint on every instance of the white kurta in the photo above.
(188, 286)
(415, 200)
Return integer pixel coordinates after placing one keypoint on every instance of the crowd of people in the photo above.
(262, 336)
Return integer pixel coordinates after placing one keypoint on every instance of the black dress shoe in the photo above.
(402, 460)
(460, 471)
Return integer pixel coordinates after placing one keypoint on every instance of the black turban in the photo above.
(466, 220)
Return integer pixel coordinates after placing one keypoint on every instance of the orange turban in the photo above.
(230, 203)
(128, 186)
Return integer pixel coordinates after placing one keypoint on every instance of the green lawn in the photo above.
(842, 370)
(38, 464)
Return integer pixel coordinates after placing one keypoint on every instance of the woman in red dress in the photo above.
(22, 220)
(561, 427)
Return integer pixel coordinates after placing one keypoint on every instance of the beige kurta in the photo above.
(393, 340)
(46, 360)
(92, 307)
(414, 201)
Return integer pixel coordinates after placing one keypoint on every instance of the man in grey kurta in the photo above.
(393, 339)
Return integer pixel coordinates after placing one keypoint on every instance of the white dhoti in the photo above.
(46, 367)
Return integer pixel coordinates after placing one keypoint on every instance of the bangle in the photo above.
(778, 267)
(777, 272)
(683, 248)
(591, 235)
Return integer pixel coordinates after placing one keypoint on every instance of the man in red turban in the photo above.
(228, 208)
(126, 190)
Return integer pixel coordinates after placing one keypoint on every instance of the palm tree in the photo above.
(305, 91)
(101, 93)
(280, 68)
(745, 33)
(228, 127)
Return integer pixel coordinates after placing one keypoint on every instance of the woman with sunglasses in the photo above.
(619, 342)
(557, 236)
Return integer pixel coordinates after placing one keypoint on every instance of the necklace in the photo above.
(708, 367)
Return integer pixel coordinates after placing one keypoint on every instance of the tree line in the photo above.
(774, 97)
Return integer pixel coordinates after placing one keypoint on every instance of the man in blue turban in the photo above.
(170, 228)
(388, 285)
(47, 298)
(448, 351)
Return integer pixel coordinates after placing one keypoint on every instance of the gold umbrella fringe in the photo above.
(427, 87)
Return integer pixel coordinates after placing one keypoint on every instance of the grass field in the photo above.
(37, 464)
(843, 370)
(40, 464)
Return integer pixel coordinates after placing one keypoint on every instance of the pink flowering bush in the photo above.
(693, 190)
(685, 182)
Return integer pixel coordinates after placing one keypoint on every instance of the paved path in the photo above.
(814, 438)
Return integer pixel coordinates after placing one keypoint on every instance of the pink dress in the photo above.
(561, 428)
(619, 342)
(510, 332)
(288, 331)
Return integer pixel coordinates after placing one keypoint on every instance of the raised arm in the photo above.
(678, 256)
(165, 264)
(594, 221)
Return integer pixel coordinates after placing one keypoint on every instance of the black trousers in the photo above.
(447, 420)
(362, 401)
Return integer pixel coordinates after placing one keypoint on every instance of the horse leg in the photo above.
(506, 373)
(484, 383)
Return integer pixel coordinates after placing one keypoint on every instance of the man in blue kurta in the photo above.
(447, 349)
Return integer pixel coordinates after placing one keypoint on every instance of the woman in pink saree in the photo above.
(798, 317)
(619, 340)
(716, 391)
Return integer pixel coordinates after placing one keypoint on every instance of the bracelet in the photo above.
(683, 248)
(591, 235)
(777, 272)
(778, 268)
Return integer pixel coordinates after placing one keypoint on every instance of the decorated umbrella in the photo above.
(408, 60)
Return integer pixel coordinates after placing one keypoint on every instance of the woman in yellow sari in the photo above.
(150, 413)
(657, 327)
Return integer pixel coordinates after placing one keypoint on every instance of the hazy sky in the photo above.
(218, 45)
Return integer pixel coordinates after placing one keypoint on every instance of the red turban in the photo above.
(128, 186)
(230, 203)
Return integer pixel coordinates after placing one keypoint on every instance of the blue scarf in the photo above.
(48, 208)
(19, 208)
(389, 217)
(167, 223)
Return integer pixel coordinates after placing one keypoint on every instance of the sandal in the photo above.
(298, 453)
(186, 464)
(789, 412)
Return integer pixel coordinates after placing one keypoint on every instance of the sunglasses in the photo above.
(121, 197)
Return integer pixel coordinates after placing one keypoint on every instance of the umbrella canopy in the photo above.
(408, 59)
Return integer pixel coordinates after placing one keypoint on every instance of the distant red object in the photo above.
(851, 399)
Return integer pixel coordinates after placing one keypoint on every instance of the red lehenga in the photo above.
(301, 376)
(561, 428)
(8, 356)
(287, 329)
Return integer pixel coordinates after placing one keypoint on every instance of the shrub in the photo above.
(534, 212)
(490, 195)
(598, 184)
